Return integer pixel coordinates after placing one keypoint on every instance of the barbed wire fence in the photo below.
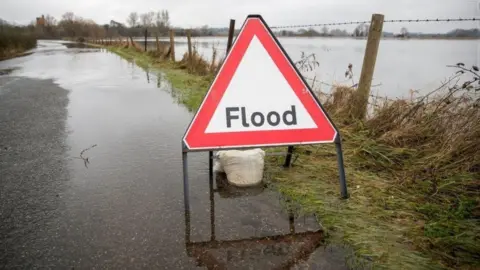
(365, 22)
(315, 80)
(365, 33)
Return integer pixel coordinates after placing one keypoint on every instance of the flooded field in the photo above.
(91, 177)
(402, 65)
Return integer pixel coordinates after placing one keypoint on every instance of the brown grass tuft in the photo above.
(197, 65)
(340, 103)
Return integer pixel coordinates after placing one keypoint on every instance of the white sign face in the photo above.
(259, 98)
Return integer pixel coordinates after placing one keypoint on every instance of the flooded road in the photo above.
(91, 177)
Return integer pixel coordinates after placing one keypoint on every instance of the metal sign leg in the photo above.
(212, 208)
(291, 222)
(210, 164)
(341, 168)
(288, 158)
(187, 227)
(186, 195)
(186, 198)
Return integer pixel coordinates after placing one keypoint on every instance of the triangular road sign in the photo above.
(258, 98)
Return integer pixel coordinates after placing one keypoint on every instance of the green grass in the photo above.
(397, 216)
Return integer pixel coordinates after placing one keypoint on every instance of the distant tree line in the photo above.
(457, 33)
(76, 27)
(158, 24)
(361, 30)
(69, 26)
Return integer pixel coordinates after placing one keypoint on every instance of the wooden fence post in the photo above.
(172, 46)
(231, 33)
(368, 68)
(146, 33)
(189, 41)
(157, 42)
(131, 42)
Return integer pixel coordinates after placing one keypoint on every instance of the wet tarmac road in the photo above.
(124, 208)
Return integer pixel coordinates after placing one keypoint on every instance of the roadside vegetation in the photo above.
(413, 167)
(15, 40)
(413, 170)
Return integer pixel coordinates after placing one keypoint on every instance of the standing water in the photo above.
(91, 177)
(402, 65)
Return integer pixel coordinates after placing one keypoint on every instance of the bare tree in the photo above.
(151, 18)
(158, 19)
(404, 31)
(338, 32)
(147, 19)
(361, 30)
(162, 21)
(50, 20)
(204, 30)
(143, 19)
(132, 19)
(166, 18)
(325, 30)
(68, 24)
(49, 25)
(68, 16)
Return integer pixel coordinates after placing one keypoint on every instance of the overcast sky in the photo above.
(216, 13)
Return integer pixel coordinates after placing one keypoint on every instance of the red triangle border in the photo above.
(195, 137)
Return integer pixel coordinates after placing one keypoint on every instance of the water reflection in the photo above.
(225, 190)
(281, 251)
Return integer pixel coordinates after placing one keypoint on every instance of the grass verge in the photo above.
(412, 172)
(15, 42)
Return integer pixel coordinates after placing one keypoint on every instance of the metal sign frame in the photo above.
(337, 139)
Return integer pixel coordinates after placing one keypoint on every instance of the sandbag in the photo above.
(243, 168)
